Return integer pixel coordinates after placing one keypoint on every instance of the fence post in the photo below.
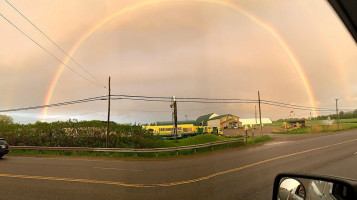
(246, 136)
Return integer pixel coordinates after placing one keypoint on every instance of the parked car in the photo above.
(4, 147)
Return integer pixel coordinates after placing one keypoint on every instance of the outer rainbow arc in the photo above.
(133, 7)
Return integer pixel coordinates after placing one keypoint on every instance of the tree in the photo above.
(4, 119)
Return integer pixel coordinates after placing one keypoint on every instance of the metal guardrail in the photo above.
(127, 150)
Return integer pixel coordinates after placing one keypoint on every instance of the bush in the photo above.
(77, 134)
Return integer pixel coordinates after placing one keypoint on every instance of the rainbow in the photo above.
(143, 4)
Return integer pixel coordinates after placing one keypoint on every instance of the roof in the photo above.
(205, 118)
(171, 123)
(249, 121)
(297, 121)
(220, 116)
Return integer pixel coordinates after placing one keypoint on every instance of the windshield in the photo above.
(95, 96)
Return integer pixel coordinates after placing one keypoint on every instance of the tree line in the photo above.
(341, 115)
(73, 133)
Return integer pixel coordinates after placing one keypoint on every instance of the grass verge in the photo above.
(320, 129)
(189, 141)
(199, 139)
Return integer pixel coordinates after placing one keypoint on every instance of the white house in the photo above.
(253, 121)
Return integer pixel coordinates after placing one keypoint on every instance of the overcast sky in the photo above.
(181, 48)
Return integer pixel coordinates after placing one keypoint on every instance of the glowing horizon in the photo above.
(136, 6)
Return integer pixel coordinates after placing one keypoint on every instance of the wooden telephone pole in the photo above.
(174, 105)
(338, 123)
(256, 122)
(108, 119)
(260, 115)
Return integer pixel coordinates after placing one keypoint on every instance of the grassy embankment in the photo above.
(200, 139)
(321, 126)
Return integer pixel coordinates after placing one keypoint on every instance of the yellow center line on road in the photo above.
(119, 169)
(172, 183)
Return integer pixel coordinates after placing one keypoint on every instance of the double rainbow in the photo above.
(143, 4)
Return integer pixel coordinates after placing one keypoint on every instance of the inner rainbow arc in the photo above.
(133, 7)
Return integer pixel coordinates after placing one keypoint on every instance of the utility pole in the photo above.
(256, 122)
(174, 105)
(108, 119)
(186, 117)
(260, 115)
(338, 123)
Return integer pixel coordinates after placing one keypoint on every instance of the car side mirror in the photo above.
(294, 186)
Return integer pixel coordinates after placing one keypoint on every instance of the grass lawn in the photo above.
(320, 126)
(320, 129)
(352, 120)
(280, 124)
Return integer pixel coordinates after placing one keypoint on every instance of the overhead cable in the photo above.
(181, 100)
(56, 104)
(52, 55)
(64, 52)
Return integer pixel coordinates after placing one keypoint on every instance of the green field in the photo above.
(316, 128)
(319, 126)
(318, 122)
(275, 124)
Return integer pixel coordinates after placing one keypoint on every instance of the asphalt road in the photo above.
(243, 173)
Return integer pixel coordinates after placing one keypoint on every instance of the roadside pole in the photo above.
(108, 119)
(252, 133)
(174, 106)
(256, 122)
(338, 123)
(175, 117)
(260, 115)
(246, 134)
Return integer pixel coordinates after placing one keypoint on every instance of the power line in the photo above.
(218, 101)
(56, 104)
(52, 55)
(185, 100)
(162, 111)
(53, 42)
(302, 108)
(63, 117)
(139, 96)
(292, 105)
(139, 99)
